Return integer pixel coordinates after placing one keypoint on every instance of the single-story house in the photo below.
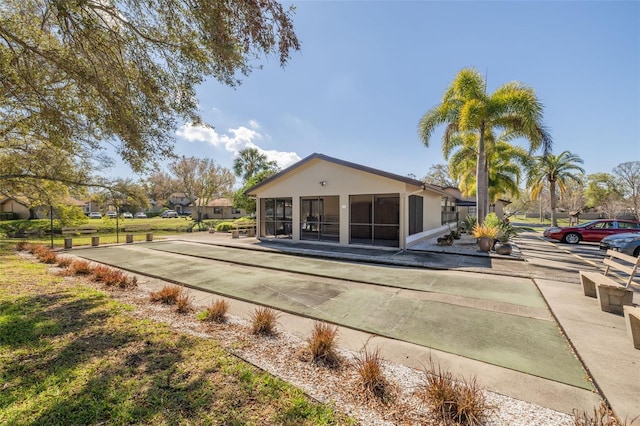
(13, 209)
(327, 200)
(465, 206)
(220, 208)
(17, 208)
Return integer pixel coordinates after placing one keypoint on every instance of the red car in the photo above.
(592, 231)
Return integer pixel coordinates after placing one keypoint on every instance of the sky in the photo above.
(368, 71)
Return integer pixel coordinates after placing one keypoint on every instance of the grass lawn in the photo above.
(72, 355)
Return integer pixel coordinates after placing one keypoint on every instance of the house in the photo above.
(220, 208)
(327, 200)
(466, 206)
(13, 209)
(180, 202)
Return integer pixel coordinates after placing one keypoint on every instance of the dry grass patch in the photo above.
(263, 321)
(184, 303)
(112, 277)
(23, 246)
(167, 295)
(602, 416)
(80, 267)
(369, 367)
(64, 262)
(322, 345)
(216, 312)
(454, 401)
(44, 254)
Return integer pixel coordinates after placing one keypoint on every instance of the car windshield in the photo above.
(584, 225)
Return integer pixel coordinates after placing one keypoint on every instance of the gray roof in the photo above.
(356, 166)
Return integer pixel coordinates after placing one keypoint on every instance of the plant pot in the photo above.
(485, 243)
(503, 248)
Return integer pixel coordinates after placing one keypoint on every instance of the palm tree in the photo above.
(249, 162)
(554, 170)
(506, 160)
(513, 109)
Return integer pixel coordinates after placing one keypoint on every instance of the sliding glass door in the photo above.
(320, 218)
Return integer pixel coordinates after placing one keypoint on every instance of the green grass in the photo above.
(106, 230)
(72, 355)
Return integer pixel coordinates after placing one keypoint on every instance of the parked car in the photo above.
(112, 214)
(141, 215)
(628, 243)
(169, 213)
(95, 215)
(593, 231)
(127, 215)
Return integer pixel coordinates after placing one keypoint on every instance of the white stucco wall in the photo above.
(343, 181)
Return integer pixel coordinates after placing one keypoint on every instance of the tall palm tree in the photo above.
(506, 163)
(556, 170)
(513, 109)
(249, 162)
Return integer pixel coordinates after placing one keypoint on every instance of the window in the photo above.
(235, 211)
(374, 219)
(415, 214)
(217, 210)
(276, 217)
(320, 218)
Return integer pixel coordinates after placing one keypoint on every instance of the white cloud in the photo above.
(236, 140)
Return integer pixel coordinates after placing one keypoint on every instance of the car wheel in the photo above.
(636, 252)
(571, 238)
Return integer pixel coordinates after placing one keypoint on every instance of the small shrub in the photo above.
(23, 246)
(458, 401)
(47, 256)
(183, 302)
(224, 227)
(369, 367)
(111, 277)
(263, 321)
(80, 267)
(168, 295)
(64, 262)
(322, 345)
(216, 312)
(602, 416)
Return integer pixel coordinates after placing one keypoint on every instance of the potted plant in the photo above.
(486, 234)
(506, 231)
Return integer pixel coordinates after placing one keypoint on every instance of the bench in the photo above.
(632, 319)
(79, 230)
(130, 229)
(613, 295)
(246, 227)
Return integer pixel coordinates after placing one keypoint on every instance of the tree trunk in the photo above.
(482, 184)
(552, 194)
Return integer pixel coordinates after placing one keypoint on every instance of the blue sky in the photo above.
(368, 70)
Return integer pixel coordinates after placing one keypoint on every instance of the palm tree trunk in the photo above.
(552, 194)
(482, 183)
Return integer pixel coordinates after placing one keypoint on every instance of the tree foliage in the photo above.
(605, 191)
(554, 171)
(202, 180)
(513, 111)
(240, 198)
(78, 76)
(438, 174)
(250, 161)
(629, 175)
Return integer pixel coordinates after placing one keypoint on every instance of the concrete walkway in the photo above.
(454, 315)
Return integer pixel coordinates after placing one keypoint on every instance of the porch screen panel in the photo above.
(375, 219)
(276, 217)
(320, 218)
(386, 220)
(416, 203)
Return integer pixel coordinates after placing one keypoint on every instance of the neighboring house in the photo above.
(180, 202)
(89, 206)
(465, 206)
(220, 208)
(13, 209)
(328, 200)
(19, 207)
